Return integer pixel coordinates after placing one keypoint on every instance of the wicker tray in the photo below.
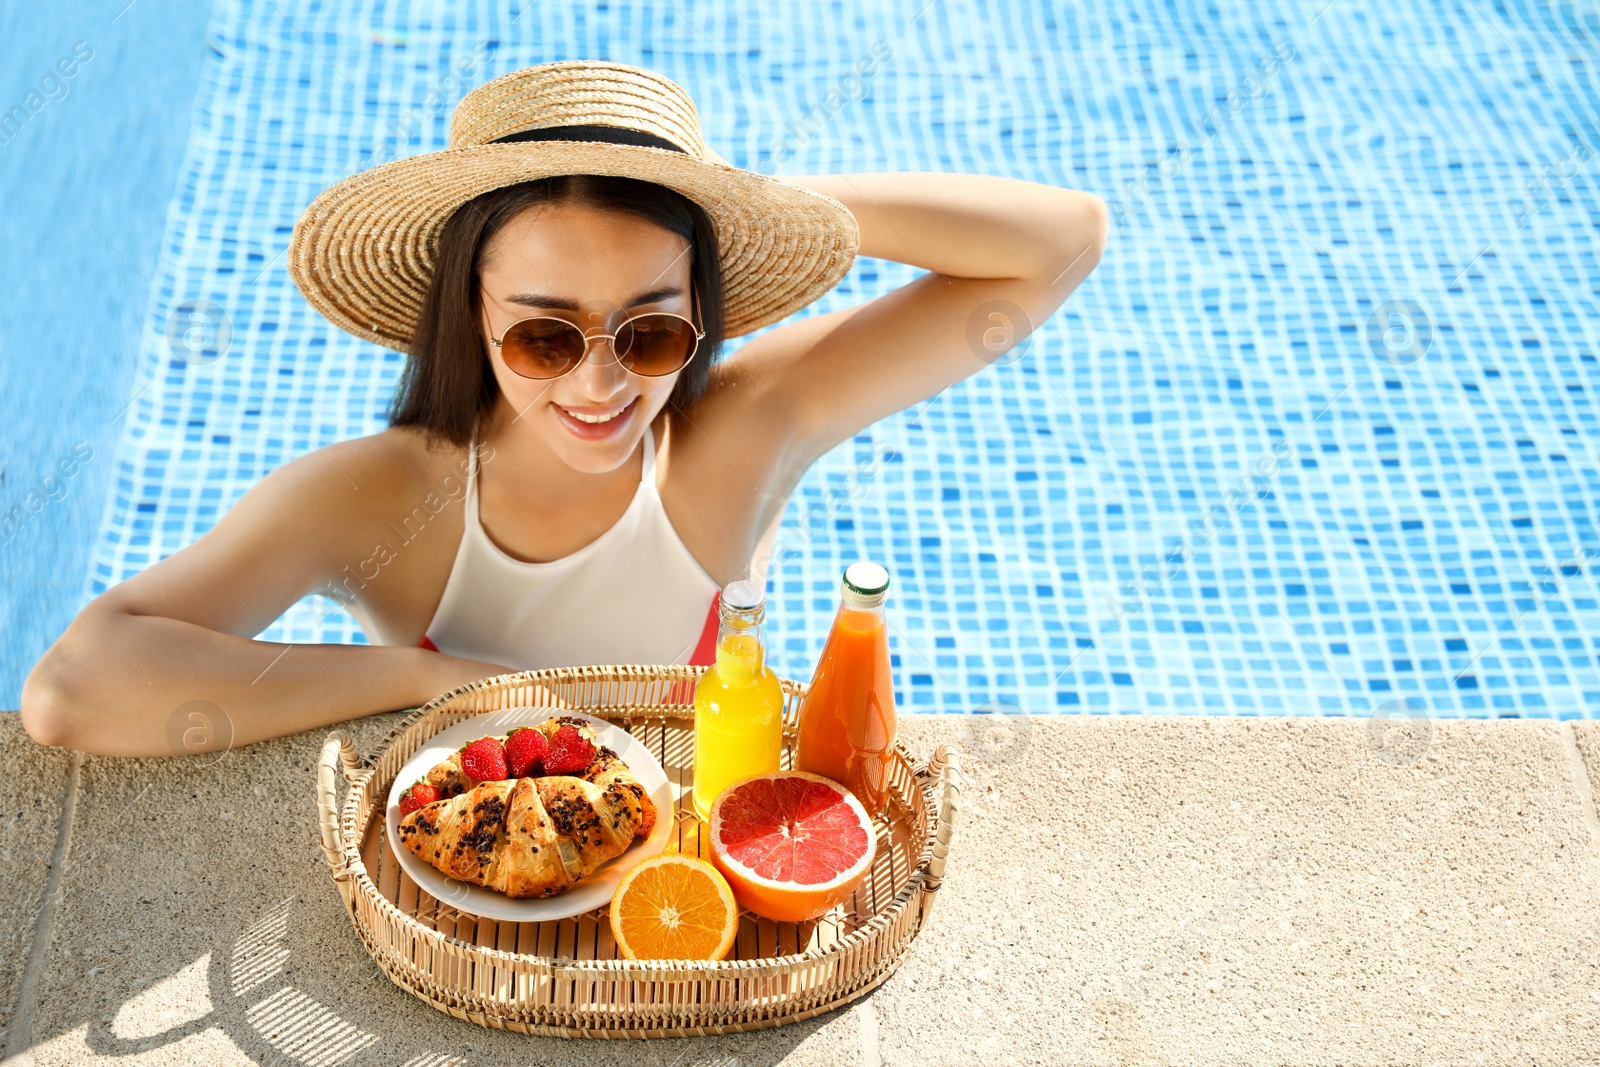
(566, 978)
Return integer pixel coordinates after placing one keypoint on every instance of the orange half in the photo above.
(674, 907)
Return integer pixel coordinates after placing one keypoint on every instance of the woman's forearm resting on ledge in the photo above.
(119, 685)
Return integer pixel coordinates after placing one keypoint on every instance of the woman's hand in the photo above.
(452, 673)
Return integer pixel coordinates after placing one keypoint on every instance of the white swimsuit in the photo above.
(634, 594)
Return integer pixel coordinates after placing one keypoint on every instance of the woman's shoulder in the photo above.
(401, 454)
(376, 473)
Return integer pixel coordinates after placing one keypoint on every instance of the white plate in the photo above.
(592, 892)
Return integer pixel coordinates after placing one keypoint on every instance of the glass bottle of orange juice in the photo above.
(847, 721)
(738, 704)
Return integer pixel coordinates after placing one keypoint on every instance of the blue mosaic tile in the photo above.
(1316, 437)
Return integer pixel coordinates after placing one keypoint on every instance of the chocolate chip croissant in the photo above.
(534, 837)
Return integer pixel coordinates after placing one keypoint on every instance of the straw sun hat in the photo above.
(363, 251)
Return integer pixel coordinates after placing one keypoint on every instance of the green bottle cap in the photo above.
(866, 584)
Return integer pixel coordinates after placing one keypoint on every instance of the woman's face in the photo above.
(594, 269)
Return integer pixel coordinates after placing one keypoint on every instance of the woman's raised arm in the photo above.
(1002, 255)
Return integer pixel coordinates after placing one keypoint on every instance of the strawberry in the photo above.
(525, 752)
(418, 796)
(570, 752)
(484, 760)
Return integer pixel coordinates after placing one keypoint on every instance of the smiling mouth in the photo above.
(600, 419)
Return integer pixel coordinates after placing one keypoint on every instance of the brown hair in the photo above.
(448, 382)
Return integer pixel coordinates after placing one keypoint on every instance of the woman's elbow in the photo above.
(1092, 223)
(1079, 233)
(51, 701)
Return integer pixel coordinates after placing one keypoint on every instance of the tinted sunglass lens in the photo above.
(655, 345)
(542, 348)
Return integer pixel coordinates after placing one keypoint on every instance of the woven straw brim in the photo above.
(363, 252)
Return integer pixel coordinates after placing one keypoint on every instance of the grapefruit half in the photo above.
(791, 844)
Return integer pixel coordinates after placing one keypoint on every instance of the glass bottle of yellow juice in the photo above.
(738, 704)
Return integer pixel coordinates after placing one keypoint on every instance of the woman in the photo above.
(570, 474)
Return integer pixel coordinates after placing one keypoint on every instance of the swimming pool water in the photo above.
(86, 172)
(1317, 435)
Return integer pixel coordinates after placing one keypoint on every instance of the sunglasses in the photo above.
(651, 345)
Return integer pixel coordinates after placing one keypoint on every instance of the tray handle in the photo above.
(945, 765)
(339, 748)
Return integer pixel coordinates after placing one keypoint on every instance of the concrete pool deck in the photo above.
(1121, 891)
